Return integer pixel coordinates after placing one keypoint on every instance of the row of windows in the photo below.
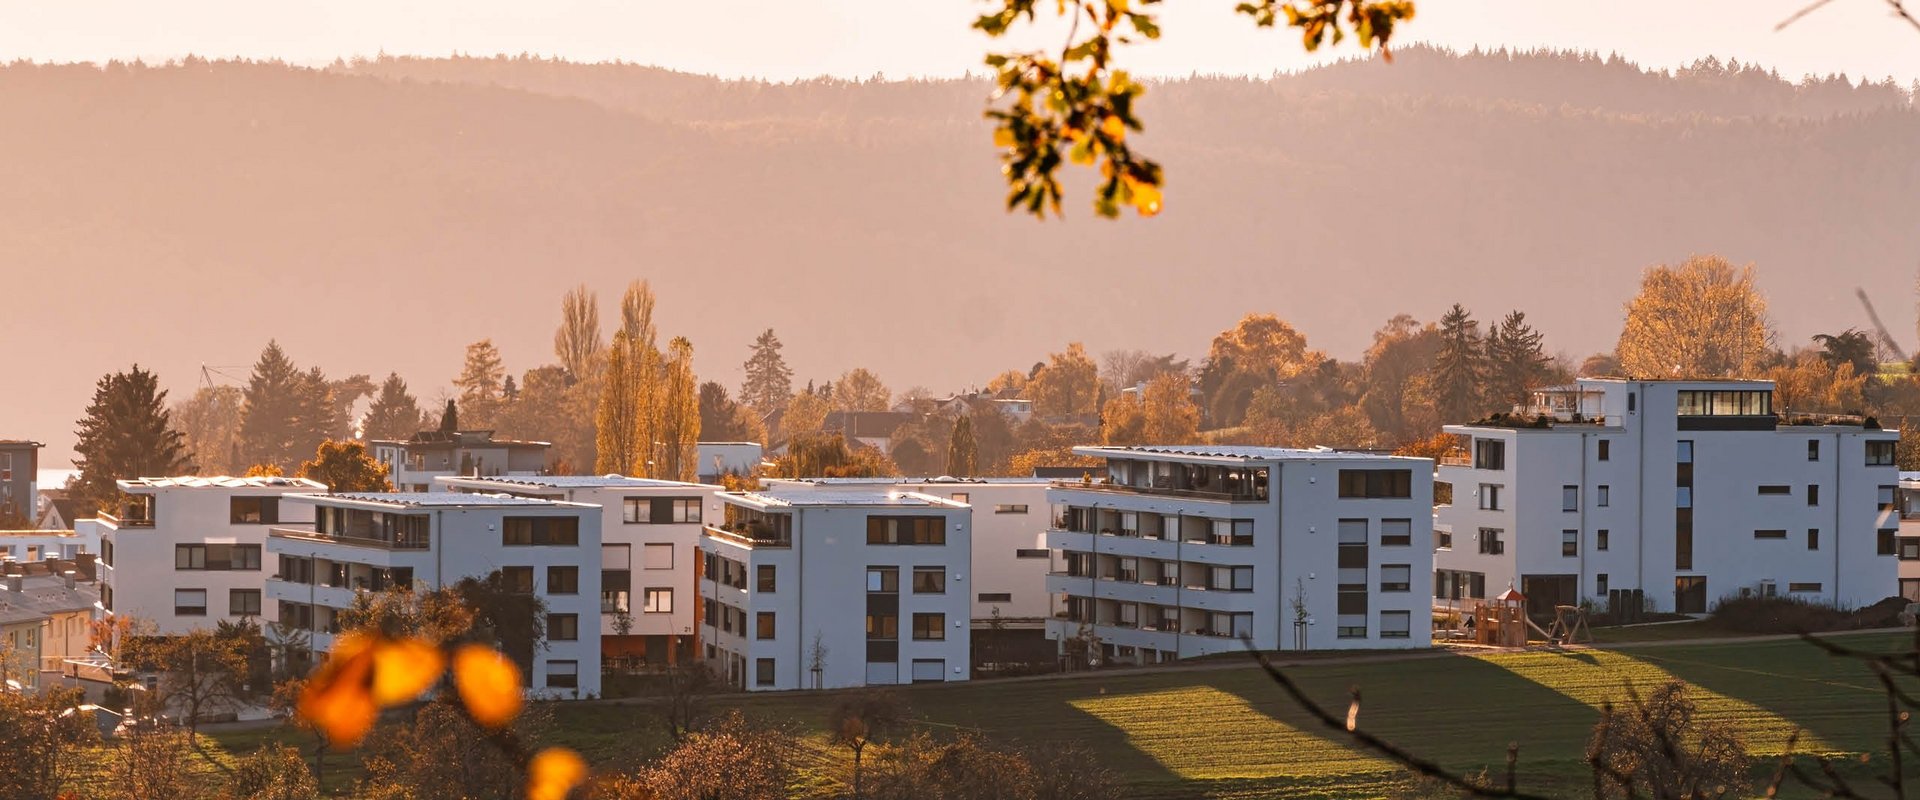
(926, 627)
(216, 557)
(906, 530)
(193, 602)
(660, 510)
(1376, 483)
(540, 531)
(926, 580)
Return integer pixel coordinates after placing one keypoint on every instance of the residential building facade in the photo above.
(649, 556)
(1668, 496)
(187, 551)
(1171, 552)
(40, 544)
(828, 590)
(19, 482)
(354, 543)
(412, 464)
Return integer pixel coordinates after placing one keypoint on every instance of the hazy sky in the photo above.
(858, 38)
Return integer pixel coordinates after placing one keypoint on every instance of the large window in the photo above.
(763, 671)
(928, 627)
(189, 602)
(660, 510)
(1569, 543)
(1396, 532)
(1489, 454)
(659, 600)
(216, 556)
(1396, 577)
(1376, 483)
(764, 578)
(615, 584)
(253, 510)
(563, 674)
(1702, 403)
(1396, 624)
(1880, 453)
(763, 625)
(906, 530)
(883, 579)
(1489, 497)
(1885, 542)
(1490, 544)
(563, 580)
(1230, 579)
(563, 627)
(243, 602)
(929, 580)
(1569, 498)
(517, 579)
(540, 531)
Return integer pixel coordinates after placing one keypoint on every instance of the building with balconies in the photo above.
(807, 589)
(40, 544)
(412, 464)
(1667, 496)
(1180, 551)
(185, 552)
(432, 540)
(649, 552)
(19, 482)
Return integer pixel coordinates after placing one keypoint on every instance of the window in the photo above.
(1127, 569)
(1803, 587)
(883, 579)
(1600, 584)
(1129, 616)
(1770, 534)
(1032, 552)
(995, 597)
(1880, 453)
(929, 580)
(563, 580)
(1396, 577)
(660, 510)
(615, 584)
(883, 626)
(1606, 449)
(1683, 451)
(517, 579)
(1813, 449)
(243, 602)
(1010, 508)
(763, 672)
(1489, 497)
(190, 602)
(763, 625)
(1489, 454)
(1376, 483)
(1442, 540)
(1630, 398)
(540, 531)
(1569, 543)
(1886, 498)
(1909, 548)
(1396, 532)
(1604, 496)
(764, 578)
(906, 530)
(1813, 494)
(1490, 544)
(1776, 489)
(1569, 498)
(1885, 542)
(563, 627)
(1683, 538)
(253, 510)
(1720, 403)
(656, 556)
(1396, 624)
(961, 497)
(563, 674)
(1230, 579)
(1232, 532)
(1813, 538)
(217, 556)
(658, 600)
(1600, 539)
(929, 626)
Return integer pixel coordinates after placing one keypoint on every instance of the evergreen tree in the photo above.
(269, 427)
(963, 453)
(480, 383)
(127, 433)
(769, 383)
(724, 420)
(679, 415)
(450, 417)
(1459, 369)
(395, 414)
(319, 417)
(1516, 361)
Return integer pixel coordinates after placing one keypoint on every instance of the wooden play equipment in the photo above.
(1503, 621)
(1569, 626)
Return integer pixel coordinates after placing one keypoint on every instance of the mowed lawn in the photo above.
(1231, 733)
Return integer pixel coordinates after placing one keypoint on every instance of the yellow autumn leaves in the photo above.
(368, 672)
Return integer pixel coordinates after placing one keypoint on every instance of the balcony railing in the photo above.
(125, 522)
(350, 539)
(1120, 488)
(748, 534)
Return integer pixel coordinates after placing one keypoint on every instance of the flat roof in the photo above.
(803, 498)
(437, 500)
(220, 482)
(943, 480)
(1234, 452)
(60, 533)
(20, 443)
(569, 481)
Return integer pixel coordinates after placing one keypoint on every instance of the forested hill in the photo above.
(379, 216)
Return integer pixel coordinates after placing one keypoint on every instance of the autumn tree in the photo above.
(480, 384)
(1067, 386)
(1849, 347)
(577, 343)
(1662, 746)
(1401, 352)
(963, 453)
(806, 413)
(440, 753)
(618, 419)
(45, 744)
(722, 419)
(861, 718)
(273, 772)
(679, 428)
(395, 414)
(1702, 319)
(201, 672)
(860, 390)
(769, 383)
(209, 424)
(345, 466)
(1517, 361)
(126, 433)
(1168, 411)
(1258, 352)
(548, 408)
(731, 760)
(1123, 369)
(827, 455)
(1809, 382)
(1459, 370)
(276, 402)
(1123, 420)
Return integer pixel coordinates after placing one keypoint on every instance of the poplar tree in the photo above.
(679, 428)
(578, 343)
(963, 452)
(617, 420)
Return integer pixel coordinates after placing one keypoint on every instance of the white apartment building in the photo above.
(187, 551)
(40, 544)
(1010, 555)
(1172, 552)
(412, 464)
(649, 556)
(1909, 542)
(432, 540)
(829, 590)
(1667, 496)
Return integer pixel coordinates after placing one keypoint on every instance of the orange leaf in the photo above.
(554, 772)
(489, 684)
(1146, 198)
(1114, 128)
(338, 699)
(403, 668)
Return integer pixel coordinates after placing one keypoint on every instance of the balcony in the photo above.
(128, 521)
(368, 539)
(749, 534)
(1163, 488)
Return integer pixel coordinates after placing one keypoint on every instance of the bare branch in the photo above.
(1801, 13)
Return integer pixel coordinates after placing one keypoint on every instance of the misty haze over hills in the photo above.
(379, 216)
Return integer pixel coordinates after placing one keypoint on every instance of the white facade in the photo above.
(188, 552)
(41, 544)
(649, 555)
(1010, 556)
(1909, 544)
(368, 542)
(413, 464)
(1175, 552)
(812, 589)
(1672, 494)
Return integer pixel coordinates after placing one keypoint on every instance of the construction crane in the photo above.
(207, 373)
(1886, 338)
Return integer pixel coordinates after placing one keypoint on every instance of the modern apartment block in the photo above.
(1171, 552)
(431, 540)
(412, 464)
(1010, 555)
(649, 556)
(1908, 545)
(19, 481)
(829, 590)
(186, 552)
(1669, 495)
(39, 544)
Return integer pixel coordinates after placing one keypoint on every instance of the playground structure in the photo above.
(1503, 622)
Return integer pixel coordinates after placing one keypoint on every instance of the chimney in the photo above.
(68, 574)
(84, 563)
(16, 583)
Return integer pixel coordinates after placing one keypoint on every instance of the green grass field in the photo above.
(1230, 733)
